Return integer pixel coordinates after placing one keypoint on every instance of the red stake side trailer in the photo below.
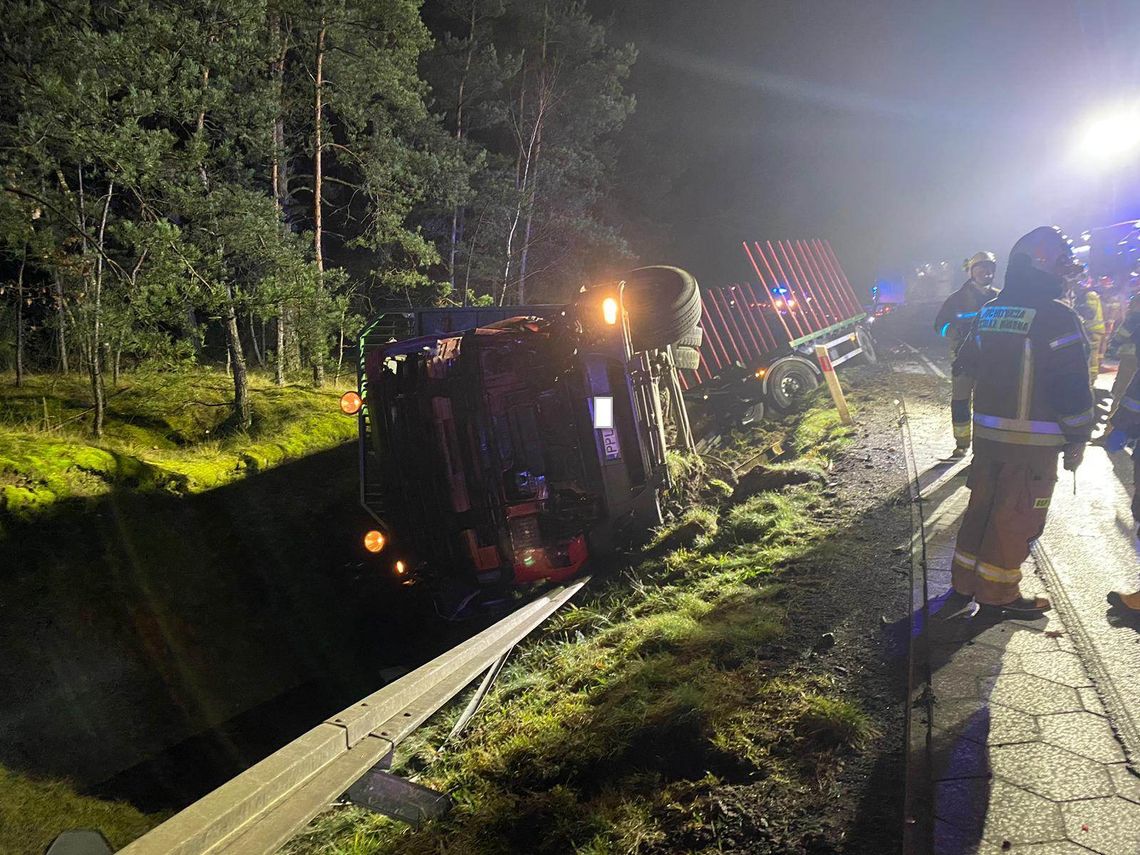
(766, 330)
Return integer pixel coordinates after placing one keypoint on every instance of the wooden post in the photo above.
(833, 384)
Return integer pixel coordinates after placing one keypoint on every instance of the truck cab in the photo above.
(512, 453)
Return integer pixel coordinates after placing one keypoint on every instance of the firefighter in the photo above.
(1123, 342)
(953, 321)
(1125, 428)
(1088, 306)
(1027, 358)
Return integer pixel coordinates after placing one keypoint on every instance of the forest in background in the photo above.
(243, 183)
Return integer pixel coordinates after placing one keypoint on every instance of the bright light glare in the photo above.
(610, 310)
(1111, 136)
(603, 412)
(374, 541)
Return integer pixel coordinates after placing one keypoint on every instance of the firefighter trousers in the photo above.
(1124, 374)
(961, 392)
(1007, 510)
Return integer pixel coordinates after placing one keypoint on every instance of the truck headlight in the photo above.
(610, 310)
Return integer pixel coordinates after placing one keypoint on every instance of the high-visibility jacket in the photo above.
(1028, 357)
(1092, 313)
(957, 314)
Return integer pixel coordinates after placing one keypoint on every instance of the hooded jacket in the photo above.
(1027, 355)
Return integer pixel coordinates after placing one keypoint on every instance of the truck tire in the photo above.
(694, 338)
(663, 303)
(790, 381)
(686, 358)
(867, 342)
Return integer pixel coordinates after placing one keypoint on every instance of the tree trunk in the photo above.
(253, 341)
(20, 318)
(457, 210)
(318, 356)
(96, 366)
(61, 322)
(339, 351)
(242, 413)
(532, 197)
(530, 177)
(279, 165)
(279, 375)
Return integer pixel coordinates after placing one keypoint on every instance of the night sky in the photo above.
(902, 131)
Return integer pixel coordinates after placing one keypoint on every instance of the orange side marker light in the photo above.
(374, 541)
(350, 403)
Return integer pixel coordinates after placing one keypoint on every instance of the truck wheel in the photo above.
(694, 338)
(753, 415)
(664, 303)
(867, 342)
(686, 358)
(790, 382)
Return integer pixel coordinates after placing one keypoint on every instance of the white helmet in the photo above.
(979, 258)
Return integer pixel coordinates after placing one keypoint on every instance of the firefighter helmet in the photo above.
(1049, 251)
(979, 258)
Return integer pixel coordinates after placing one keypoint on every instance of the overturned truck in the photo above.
(512, 451)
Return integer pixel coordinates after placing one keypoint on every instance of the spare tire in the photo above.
(686, 358)
(663, 304)
(694, 338)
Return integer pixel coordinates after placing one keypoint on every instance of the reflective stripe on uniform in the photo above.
(1016, 437)
(1078, 419)
(1065, 340)
(1000, 423)
(964, 558)
(1002, 575)
(1026, 392)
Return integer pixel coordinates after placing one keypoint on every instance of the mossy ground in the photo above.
(164, 431)
(605, 734)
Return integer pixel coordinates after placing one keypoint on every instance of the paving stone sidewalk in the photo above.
(1022, 757)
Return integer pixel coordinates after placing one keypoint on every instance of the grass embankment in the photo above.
(29, 808)
(611, 731)
(163, 432)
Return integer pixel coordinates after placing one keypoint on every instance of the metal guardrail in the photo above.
(263, 807)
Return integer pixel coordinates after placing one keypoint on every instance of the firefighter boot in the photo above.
(1125, 602)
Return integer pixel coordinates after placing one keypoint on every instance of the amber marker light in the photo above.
(374, 541)
(350, 403)
(401, 568)
(610, 310)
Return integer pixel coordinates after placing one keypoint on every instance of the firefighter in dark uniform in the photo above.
(1028, 361)
(953, 322)
(1123, 429)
